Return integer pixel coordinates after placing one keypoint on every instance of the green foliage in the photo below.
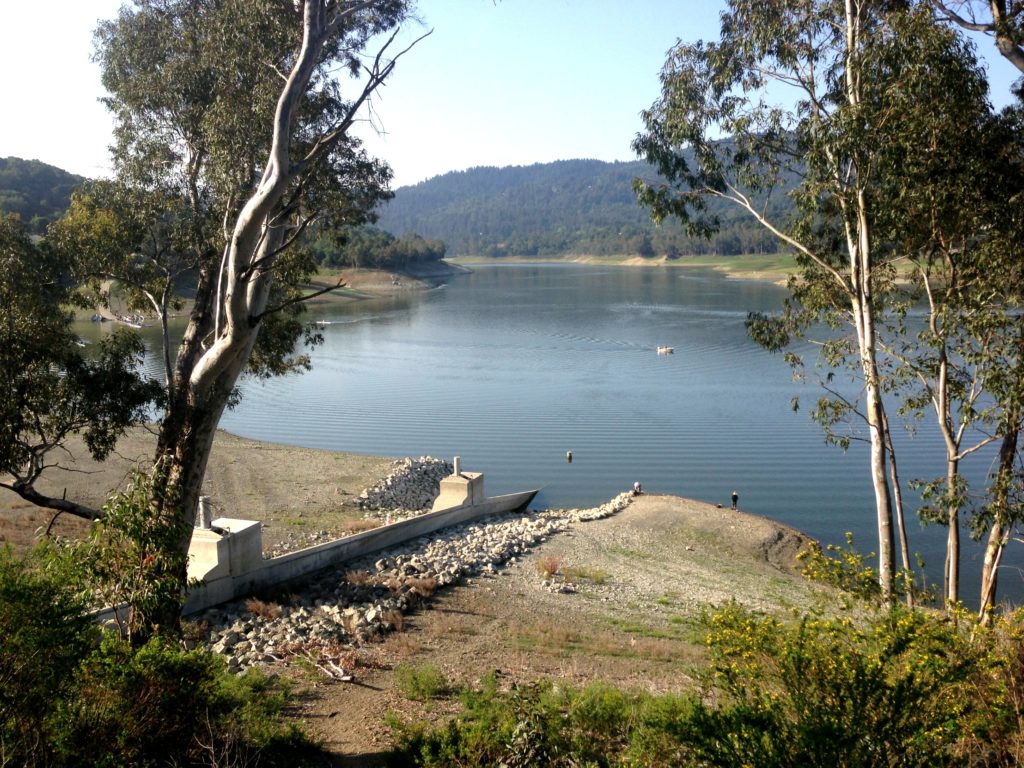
(133, 558)
(374, 248)
(885, 690)
(563, 208)
(35, 192)
(995, 728)
(68, 700)
(158, 705)
(45, 635)
(882, 688)
(49, 388)
(420, 683)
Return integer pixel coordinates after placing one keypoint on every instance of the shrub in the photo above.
(159, 705)
(549, 725)
(420, 683)
(44, 636)
(831, 691)
(995, 729)
(132, 557)
(68, 699)
(548, 566)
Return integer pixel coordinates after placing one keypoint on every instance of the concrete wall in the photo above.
(227, 581)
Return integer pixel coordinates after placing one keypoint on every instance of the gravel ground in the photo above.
(645, 575)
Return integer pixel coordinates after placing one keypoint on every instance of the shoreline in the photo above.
(774, 268)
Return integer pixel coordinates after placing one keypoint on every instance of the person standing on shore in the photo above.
(735, 500)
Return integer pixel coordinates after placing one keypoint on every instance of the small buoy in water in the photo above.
(568, 456)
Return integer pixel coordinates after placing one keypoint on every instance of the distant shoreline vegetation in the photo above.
(565, 209)
(775, 267)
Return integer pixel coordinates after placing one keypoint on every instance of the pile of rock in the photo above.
(371, 596)
(295, 540)
(410, 486)
(611, 507)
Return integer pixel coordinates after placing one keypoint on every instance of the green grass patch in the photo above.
(633, 554)
(421, 683)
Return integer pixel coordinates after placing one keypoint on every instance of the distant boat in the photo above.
(666, 350)
(322, 323)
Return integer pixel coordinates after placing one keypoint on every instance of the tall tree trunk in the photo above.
(951, 578)
(206, 376)
(999, 533)
(901, 527)
(877, 423)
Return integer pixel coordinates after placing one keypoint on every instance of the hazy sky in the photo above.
(511, 82)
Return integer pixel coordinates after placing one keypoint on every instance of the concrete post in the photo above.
(457, 466)
(205, 513)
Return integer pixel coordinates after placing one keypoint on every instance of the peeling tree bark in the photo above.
(205, 376)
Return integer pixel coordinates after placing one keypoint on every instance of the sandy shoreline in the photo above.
(292, 490)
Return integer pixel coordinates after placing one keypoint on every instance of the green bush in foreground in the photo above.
(891, 687)
(67, 699)
(43, 636)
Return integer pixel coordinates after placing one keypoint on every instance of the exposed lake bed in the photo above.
(512, 365)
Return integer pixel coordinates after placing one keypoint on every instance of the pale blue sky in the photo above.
(497, 83)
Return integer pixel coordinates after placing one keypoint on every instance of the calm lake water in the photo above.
(511, 366)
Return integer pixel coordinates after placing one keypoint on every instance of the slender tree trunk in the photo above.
(858, 243)
(901, 527)
(951, 577)
(875, 410)
(999, 533)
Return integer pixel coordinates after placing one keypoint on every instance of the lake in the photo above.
(513, 365)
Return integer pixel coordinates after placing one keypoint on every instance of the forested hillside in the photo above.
(37, 192)
(568, 207)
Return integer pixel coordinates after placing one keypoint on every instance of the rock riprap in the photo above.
(348, 606)
(410, 486)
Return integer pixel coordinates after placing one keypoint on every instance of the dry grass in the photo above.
(266, 611)
(359, 578)
(548, 566)
(577, 573)
(406, 645)
(422, 587)
(444, 624)
(359, 526)
(394, 618)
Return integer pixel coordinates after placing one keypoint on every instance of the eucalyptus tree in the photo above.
(233, 136)
(956, 225)
(1002, 20)
(833, 93)
(50, 388)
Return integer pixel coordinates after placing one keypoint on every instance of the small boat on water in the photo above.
(666, 350)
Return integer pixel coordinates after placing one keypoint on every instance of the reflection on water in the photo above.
(512, 366)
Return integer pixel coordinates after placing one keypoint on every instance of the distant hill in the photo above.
(564, 208)
(37, 192)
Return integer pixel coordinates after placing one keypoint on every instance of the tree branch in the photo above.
(299, 300)
(30, 494)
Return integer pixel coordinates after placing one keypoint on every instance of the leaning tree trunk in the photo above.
(898, 510)
(999, 533)
(205, 378)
